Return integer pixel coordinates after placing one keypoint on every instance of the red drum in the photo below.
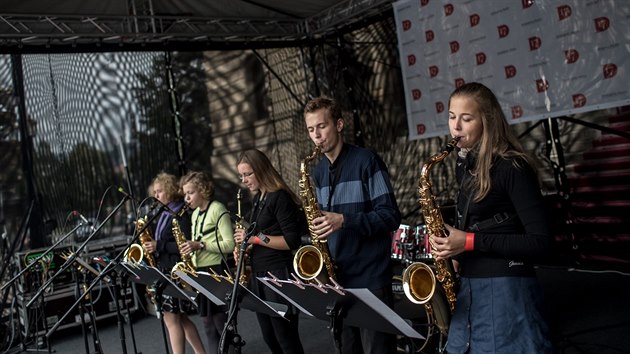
(400, 237)
(422, 239)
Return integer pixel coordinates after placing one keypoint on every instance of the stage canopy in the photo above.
(106, 25)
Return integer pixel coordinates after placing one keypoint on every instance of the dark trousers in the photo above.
(213, 325)
(356, 340)
(280, 335)
(214, 318)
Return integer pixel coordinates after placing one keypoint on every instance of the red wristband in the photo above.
(256, 240)
(470, 242)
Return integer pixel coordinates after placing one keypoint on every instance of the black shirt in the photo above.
(509, 248)
(276, 214)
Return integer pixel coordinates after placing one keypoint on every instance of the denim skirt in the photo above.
(499, 315)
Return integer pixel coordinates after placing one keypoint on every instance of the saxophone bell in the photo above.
(134, 254)
(308, 263)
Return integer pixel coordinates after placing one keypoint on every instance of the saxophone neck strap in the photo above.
(198, 225)
(496, 219)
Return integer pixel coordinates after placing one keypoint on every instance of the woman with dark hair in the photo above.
(277, 231)
(501, 231)
(167, 254)
(212, 240)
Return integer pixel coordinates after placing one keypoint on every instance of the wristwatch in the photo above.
(264, 238)
(203, 245)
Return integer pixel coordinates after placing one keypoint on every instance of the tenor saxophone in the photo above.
(312, 261)
(419, 280)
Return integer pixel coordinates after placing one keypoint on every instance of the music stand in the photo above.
(339, 306)
(218, 288)
(151, 276)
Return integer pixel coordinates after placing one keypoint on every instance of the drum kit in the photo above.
(411, 244)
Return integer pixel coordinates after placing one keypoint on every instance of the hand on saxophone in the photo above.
(326, 224)
(239, 235)
(447, 247)
(150, 246)
(190, 246)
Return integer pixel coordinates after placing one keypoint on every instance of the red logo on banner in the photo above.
(571, 56)
(517, 112)
(564, 11)
(474, 20)
(421, 129)
(454, 46)
(510, 71)
(602, 24)
(534, 43)
(504, 30)
(579, 100)
(429, 35)
(424, 2)
(433, 70)
(439, 107)
(610, 70)
(416, 94)
(542, 85)
(406, 25)
(481, 58)
(459, 82)
(527, 3)
(448, 9)
(411, 59)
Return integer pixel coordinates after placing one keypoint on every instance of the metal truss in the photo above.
(19, 31)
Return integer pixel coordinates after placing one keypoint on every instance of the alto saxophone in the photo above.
(419, 280)
(136, 253)
(312, 261)
(186, 264)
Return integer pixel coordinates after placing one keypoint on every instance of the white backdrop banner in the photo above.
(542, 58)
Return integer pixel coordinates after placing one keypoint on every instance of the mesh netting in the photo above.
(89, 112)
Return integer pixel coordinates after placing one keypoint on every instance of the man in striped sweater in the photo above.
(359, 212)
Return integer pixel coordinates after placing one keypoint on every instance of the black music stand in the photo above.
(151, 276)
(218, 288)
(339, 306)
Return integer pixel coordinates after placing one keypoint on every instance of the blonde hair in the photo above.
(201, 181)
(170, 186)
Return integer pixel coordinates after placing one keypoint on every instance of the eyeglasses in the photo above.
(246, 175)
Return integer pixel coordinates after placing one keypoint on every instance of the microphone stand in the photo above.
(74, 255)
(230, 334)
(135, 211)
(45, 253)
(109, 268)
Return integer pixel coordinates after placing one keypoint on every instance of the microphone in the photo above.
(239, 219)
(84, 219)
(129, 196)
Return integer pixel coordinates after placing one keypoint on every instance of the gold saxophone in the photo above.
(312, 261)
(419, 280)
(186, 264)
(136, 252)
